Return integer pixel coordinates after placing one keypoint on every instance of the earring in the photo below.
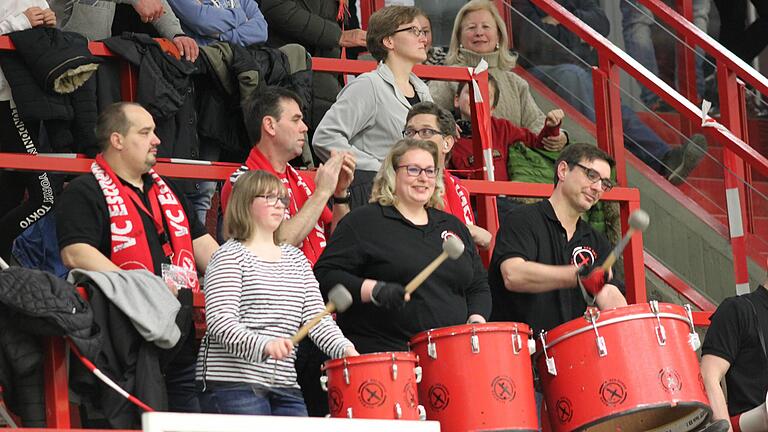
(497, 45)
(461, 46)
(445, 145)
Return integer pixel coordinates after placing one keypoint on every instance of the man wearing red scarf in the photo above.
(275, 124)
(123, 216)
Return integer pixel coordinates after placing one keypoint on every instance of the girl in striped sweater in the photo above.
(258, 294)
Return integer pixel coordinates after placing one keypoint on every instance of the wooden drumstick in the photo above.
(339, 300)
(638, 222)
(453, 247)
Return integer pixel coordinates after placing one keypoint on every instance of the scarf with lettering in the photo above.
(456, 199)
(299, 191)
(129, 247)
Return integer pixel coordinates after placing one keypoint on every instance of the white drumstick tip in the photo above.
(639, 220)
(453, 246)
(340, 297)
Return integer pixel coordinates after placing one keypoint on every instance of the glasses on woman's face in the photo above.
(413, 30)
(594, 177)
(272, 200)
(424, 133)
(414, 171)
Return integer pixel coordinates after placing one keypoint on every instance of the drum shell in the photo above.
(369, 374)
(488, 389)
(638, 374)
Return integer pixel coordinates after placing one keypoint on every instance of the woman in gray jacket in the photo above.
(369, 114)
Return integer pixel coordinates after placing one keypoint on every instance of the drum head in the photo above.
(681, 418)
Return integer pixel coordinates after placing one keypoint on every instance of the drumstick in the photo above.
(453, 247)
(638, 221)
(339, 300)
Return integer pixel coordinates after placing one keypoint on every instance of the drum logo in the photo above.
(503, 388)
(410, 394)
(670, 380)
(439, 397)
(564, 410)
(613, 392)
(583, 256)
(335, 400)
(371, 394)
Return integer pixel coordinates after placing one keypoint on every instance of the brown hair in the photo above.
(238, 221)
(113, 119)
(383, 23)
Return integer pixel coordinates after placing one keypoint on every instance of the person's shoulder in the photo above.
(85, 181)
(228, 250)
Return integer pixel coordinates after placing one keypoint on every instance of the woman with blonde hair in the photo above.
(257, 295)
(480, 33)
(378, 248)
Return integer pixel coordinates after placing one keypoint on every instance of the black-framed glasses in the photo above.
(424, 133)
(272, 200)
(594, 177)
(413, 30)
(414, 171)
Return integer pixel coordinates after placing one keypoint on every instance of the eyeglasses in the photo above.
(272, 200)
(413, 30)
(594, 177)
(414, 171)
(425, 133)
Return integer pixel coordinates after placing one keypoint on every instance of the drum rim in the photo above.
(377, 357)
(665, 427)
(496, 326)
(588, 327)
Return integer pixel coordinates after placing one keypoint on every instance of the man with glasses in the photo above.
(544, 266)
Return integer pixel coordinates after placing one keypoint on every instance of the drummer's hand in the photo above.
(592, 279)
(389, 295)
(350, 351)
(279, 348)
(475, 319)
(610, 297)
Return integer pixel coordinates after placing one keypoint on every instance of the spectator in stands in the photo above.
(325, 29)
(734, 348)
(238, 22)
(435, 55)
(274, 122)
(636, 23)
(428, 121)
(20, 136)
(246, 359)
(480, 33)
(540, 46)
(504, 132)
(370, 111)
(380, 247)
(123, 216)
(93, 19)
(746, 41)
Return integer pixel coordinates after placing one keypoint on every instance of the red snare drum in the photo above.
(630, 369)
(477, 377)
(374, 386)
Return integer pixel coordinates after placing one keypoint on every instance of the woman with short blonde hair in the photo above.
(385, 181)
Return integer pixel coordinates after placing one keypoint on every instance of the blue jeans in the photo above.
(637, 20)
(252, 399)
(573, 83)
(182, 392)
(201, 198)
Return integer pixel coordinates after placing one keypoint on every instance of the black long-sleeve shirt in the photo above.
(377, 242)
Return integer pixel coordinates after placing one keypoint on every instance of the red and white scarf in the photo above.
(129, 248)
(456, 199)
(299, 191)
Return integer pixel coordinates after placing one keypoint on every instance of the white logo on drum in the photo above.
(583, 256)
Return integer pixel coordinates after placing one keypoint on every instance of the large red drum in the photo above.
(630, 369)
(374, 386)
(478, 377)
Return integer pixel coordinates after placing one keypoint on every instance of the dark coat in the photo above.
(41, 56)
(35, 304)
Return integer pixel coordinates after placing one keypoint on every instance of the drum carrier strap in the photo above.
(759, 326)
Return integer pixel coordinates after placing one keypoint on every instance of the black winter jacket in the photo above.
(35, 304)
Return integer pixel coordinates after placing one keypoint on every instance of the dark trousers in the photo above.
(746, 41)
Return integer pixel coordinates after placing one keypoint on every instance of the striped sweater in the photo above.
(248, 302)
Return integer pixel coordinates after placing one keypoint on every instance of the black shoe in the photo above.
(680, 161)
(717, 426)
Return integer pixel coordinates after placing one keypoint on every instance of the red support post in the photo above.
(732, 109)
(686, 64)
(57, 384)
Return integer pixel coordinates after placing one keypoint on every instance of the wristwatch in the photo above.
(342, 199)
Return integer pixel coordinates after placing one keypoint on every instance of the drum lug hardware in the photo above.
(475, 341)
(531, 345)
(592, 316)
(517, 343)
(349, 412)
(345, 372)
(394, 368)
(693, 337)
(431, 347)
(422, 412)
(417, 372)
(551, 368)
(324, 383)
(661, 332)
(398, 411)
